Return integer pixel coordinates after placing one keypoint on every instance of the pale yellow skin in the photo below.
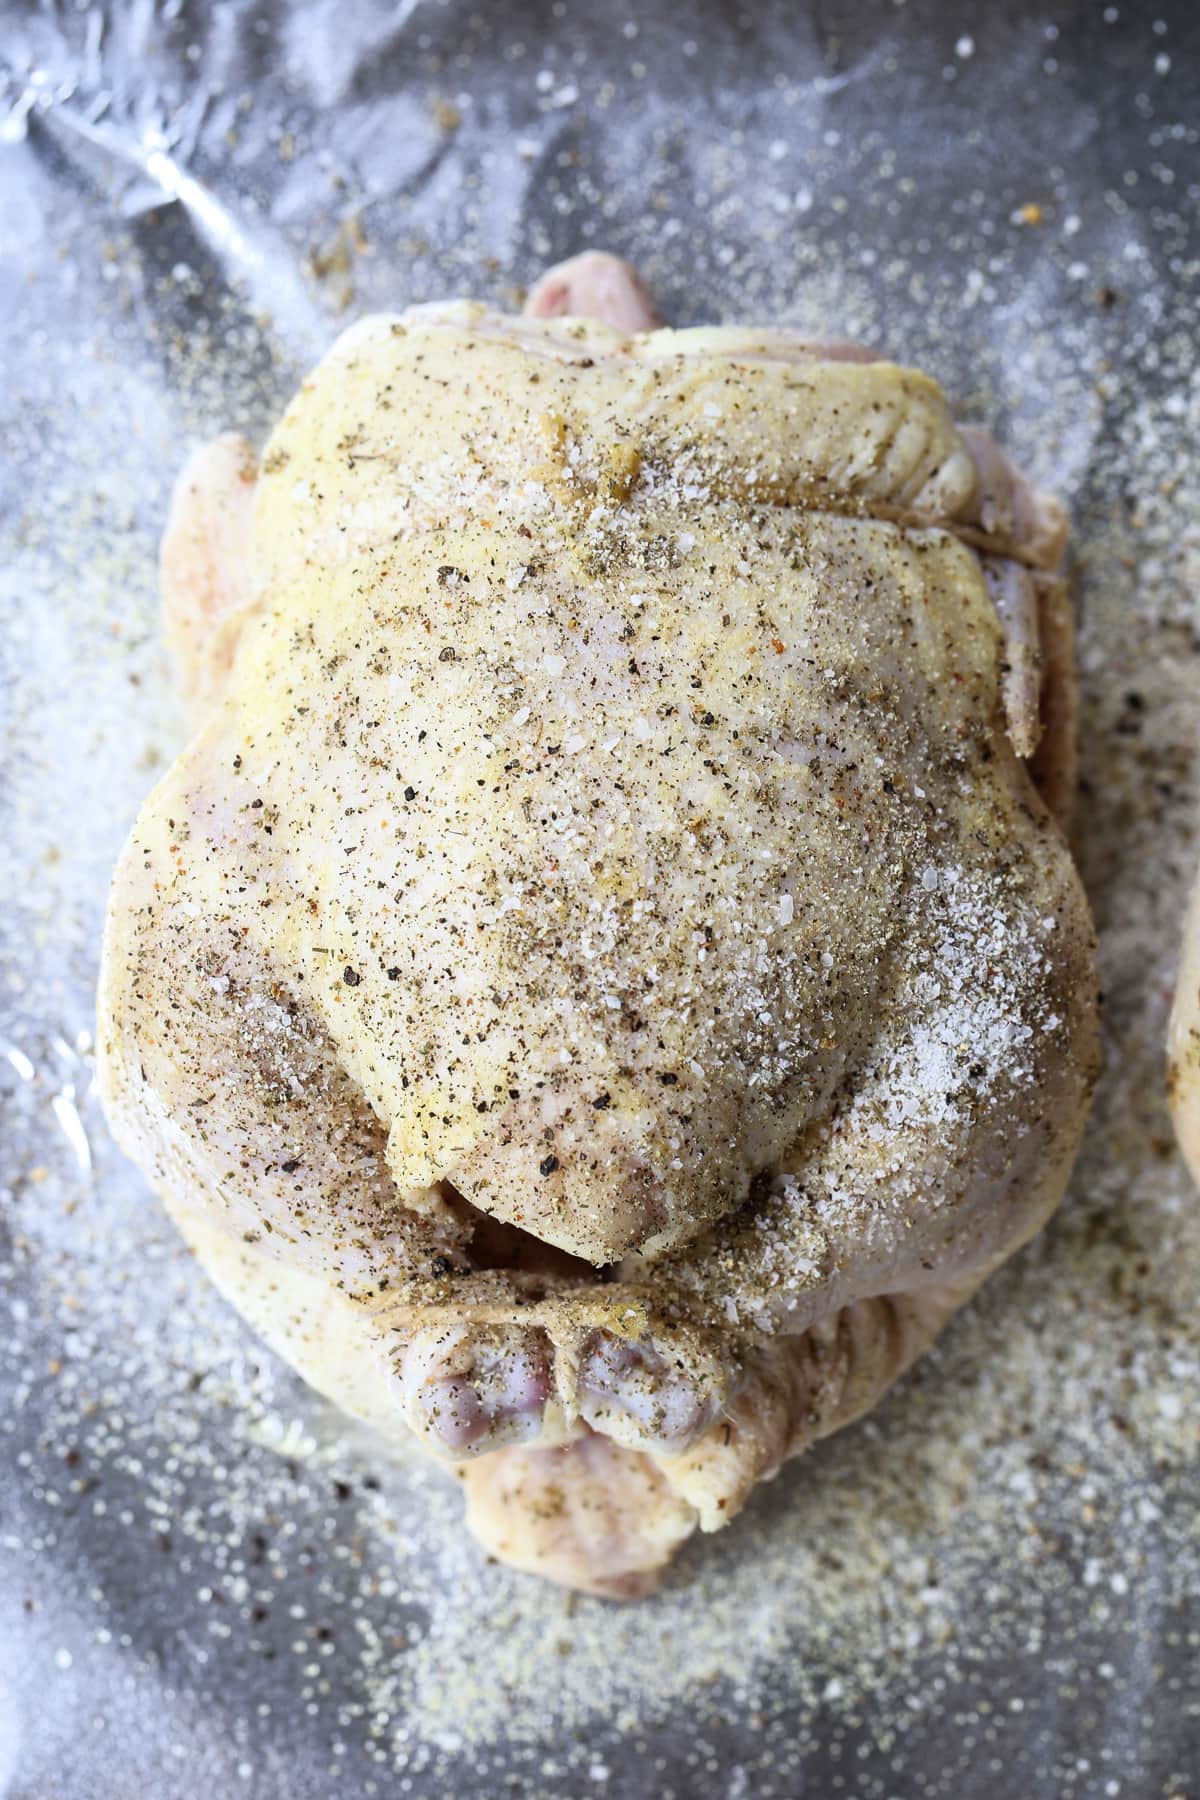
(1183, 1041)
(638, 703)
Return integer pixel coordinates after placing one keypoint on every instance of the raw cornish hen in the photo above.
(606, 979)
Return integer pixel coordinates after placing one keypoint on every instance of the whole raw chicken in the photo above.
(606, 979)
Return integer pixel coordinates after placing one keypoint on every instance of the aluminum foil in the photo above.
(207, 1584)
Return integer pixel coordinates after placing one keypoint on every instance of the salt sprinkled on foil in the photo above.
(205, 1567)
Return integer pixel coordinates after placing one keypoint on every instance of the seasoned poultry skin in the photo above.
(606, 979)
(1183, 1041)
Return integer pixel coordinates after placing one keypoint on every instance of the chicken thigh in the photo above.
(606, 979)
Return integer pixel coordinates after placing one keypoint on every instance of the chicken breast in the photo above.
(601, 985)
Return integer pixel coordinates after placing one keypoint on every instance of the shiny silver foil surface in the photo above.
(208, 1585)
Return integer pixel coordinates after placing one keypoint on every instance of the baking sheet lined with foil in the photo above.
(211, 1584)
